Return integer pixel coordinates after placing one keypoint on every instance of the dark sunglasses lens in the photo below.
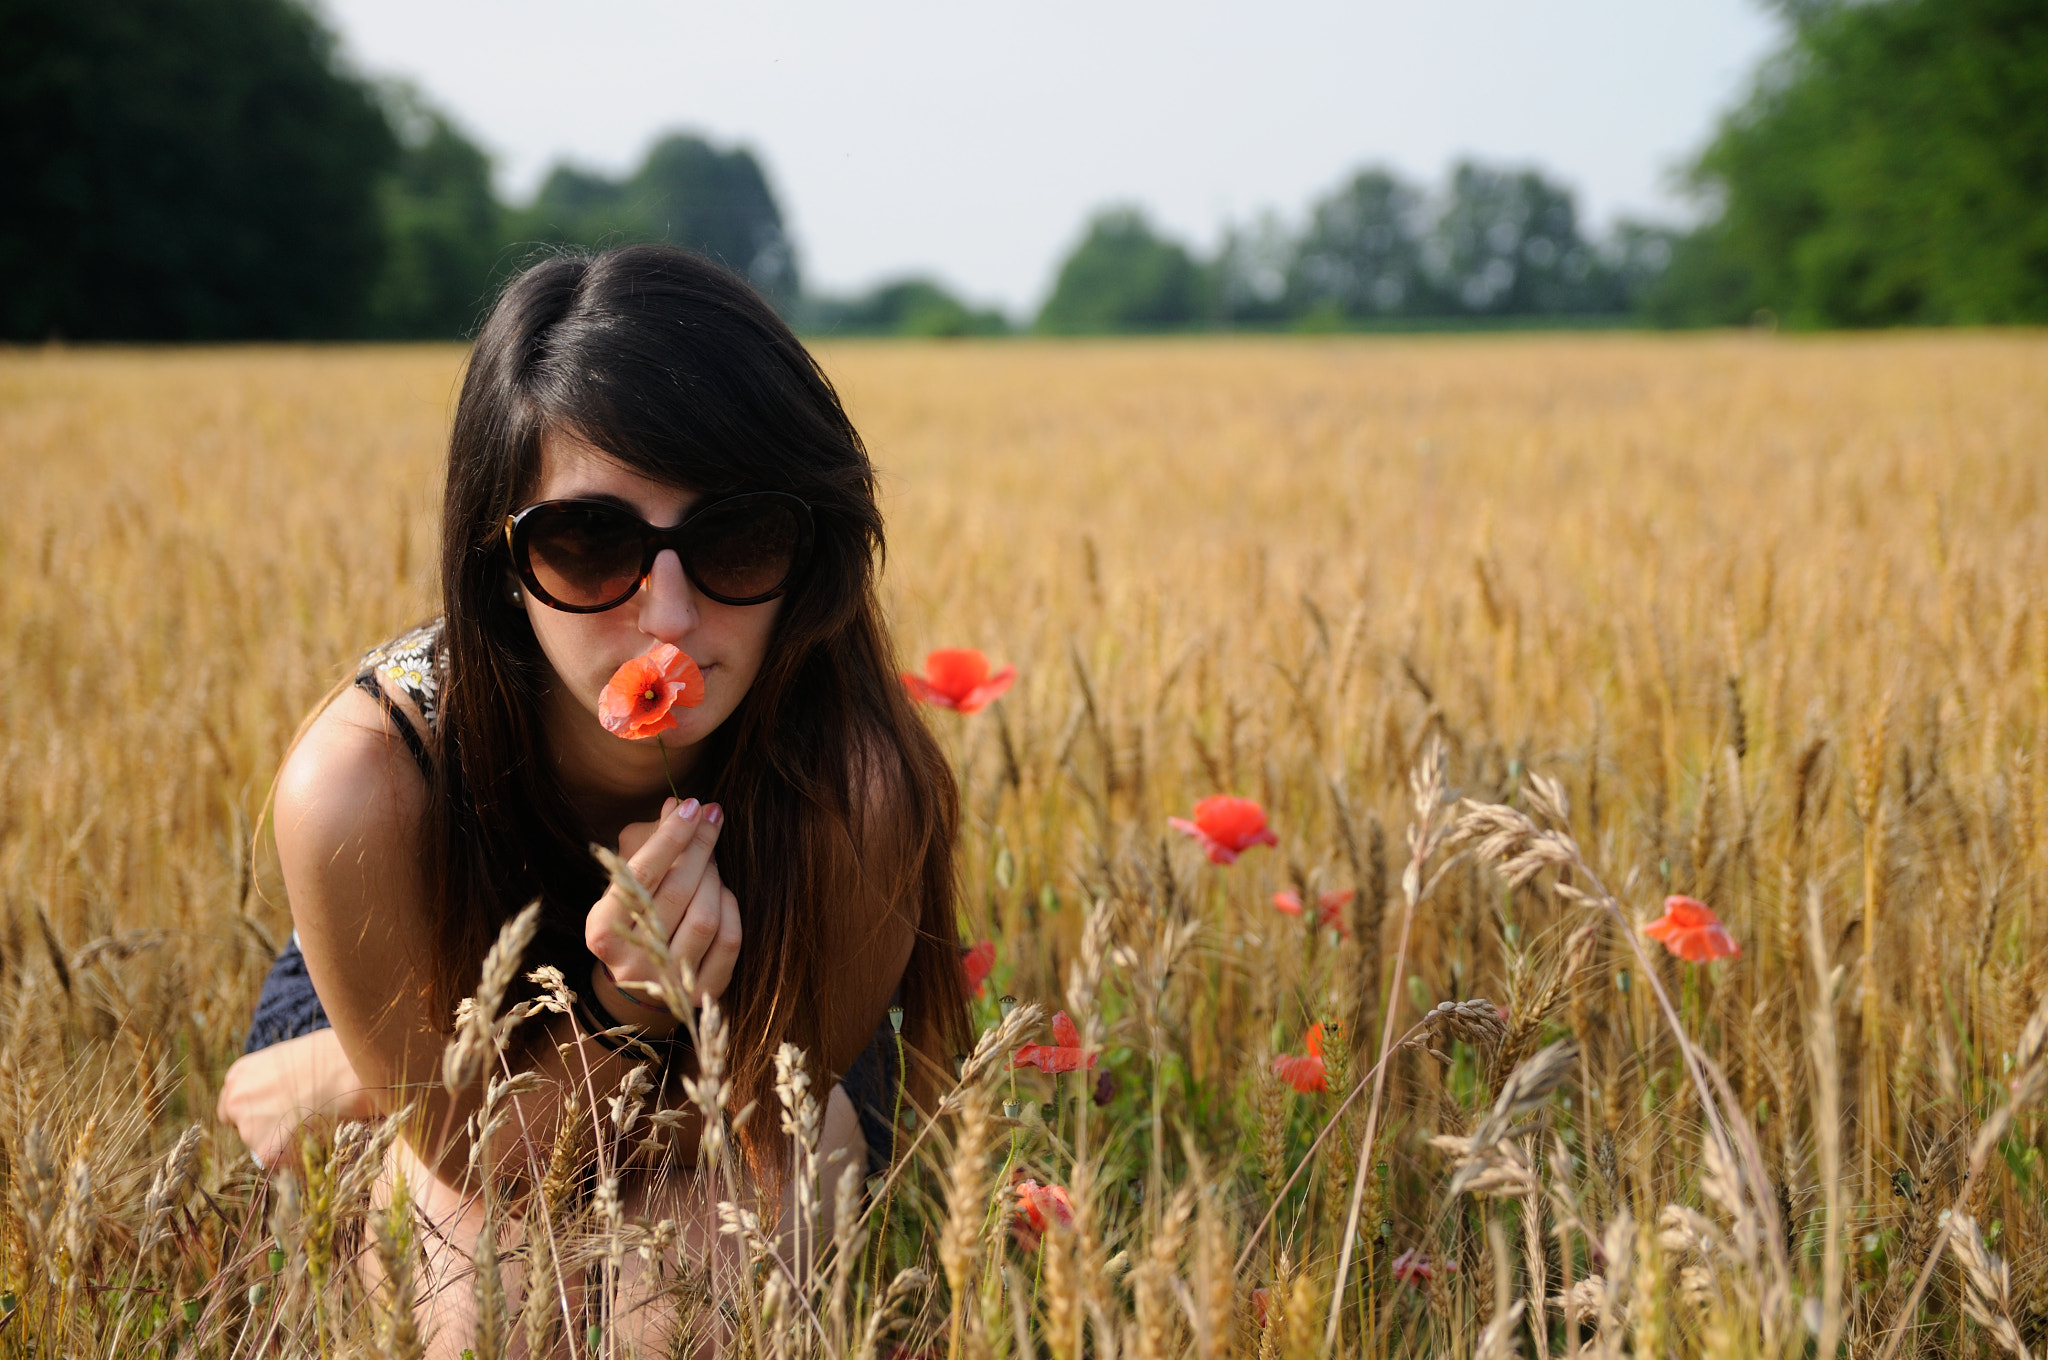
(584, 555)
(744, 549)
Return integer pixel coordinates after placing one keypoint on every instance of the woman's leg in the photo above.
(664, 1297)
(686, 1299)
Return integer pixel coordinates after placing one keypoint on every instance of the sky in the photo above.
(969, 141)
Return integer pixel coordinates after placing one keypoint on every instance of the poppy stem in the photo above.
(667, 773)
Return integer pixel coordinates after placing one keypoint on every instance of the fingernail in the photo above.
(687, 810)
(668, 805)
(714, 814)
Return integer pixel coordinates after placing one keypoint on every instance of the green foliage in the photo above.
(686, 192)
(1125, 277)
(183, 169)
(1493, 247)
(444, 229)
(1890, 167)
(1507, 242)
(909, 307)
(1361, 254)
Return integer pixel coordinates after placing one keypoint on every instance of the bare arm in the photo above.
(348, 813)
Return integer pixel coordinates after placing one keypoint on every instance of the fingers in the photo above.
(634, 834)
(671, 861)
(715, 906)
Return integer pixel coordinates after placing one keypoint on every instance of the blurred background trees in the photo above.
(184, 169)
(208, 169)
(1889, 167)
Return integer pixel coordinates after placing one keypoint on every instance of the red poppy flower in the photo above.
(637, 699)
(1259, 1300)
(1689, 929)
(1063, 1054)
(1305, 1075)
(1038, 1208)
(959, 678)
(1329, 907)
(1226, 827)
(1416, 1270)
(976, 963)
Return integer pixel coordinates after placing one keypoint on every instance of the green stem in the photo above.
(666, 772)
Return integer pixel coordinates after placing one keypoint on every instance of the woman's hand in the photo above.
(269, 1095)
(693, 910)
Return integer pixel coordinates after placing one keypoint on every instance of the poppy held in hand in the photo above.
(1306, 1075)
(1329, 907)
(1063, 1054)
(1038, 1208)
(1689, 929)
(976, 963)
(637, 699)
(959, 678)
(1226, 827)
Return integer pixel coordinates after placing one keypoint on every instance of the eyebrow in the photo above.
(621, 503)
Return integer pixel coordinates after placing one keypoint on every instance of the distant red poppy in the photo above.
(1305, 1075)
(637, 699)
(1038, 1208)
(1063, 1054)
(1226, 827)
(1416, 1270)
(1260, 1296)
(1689, 929)
(1329, 907)
(959, 678)
(976, 963)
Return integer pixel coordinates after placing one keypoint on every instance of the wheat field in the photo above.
(1759, 620)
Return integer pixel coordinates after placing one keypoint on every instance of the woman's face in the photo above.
(727, 642)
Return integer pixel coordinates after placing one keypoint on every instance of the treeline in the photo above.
(1493, 244)
(208, 169)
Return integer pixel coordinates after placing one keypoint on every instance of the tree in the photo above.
(443, 225)
(183, 169)
(686, 192)
(1507, 243)
(911, 307)
(1890, 166)
(1124, 277)
(1361, 254)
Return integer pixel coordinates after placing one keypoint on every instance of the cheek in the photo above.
(748, 631)
(566, 642)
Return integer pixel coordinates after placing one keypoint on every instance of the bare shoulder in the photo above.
(348, 795)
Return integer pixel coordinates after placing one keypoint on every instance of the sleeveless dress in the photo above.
(288, 1007)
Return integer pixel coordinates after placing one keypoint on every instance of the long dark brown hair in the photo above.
(679, 370)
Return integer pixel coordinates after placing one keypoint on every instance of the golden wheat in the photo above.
(1772, 614)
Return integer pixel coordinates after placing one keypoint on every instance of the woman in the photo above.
(643, 455)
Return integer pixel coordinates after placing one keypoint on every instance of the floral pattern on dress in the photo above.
(412, 663)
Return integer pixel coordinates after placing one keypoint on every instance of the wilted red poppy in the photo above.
(637, 699)
(976, 964)
(1329, 907)
(1416, 1270)
(1689, 929)
(1063, 1054)
(959, 678)
(1305, 1075)
(1038, 1208)
(1226, 827)
(1259, 1300)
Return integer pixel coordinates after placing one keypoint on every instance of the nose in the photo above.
(668, 602)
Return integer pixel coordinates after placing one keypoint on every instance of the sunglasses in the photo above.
(589, 556)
